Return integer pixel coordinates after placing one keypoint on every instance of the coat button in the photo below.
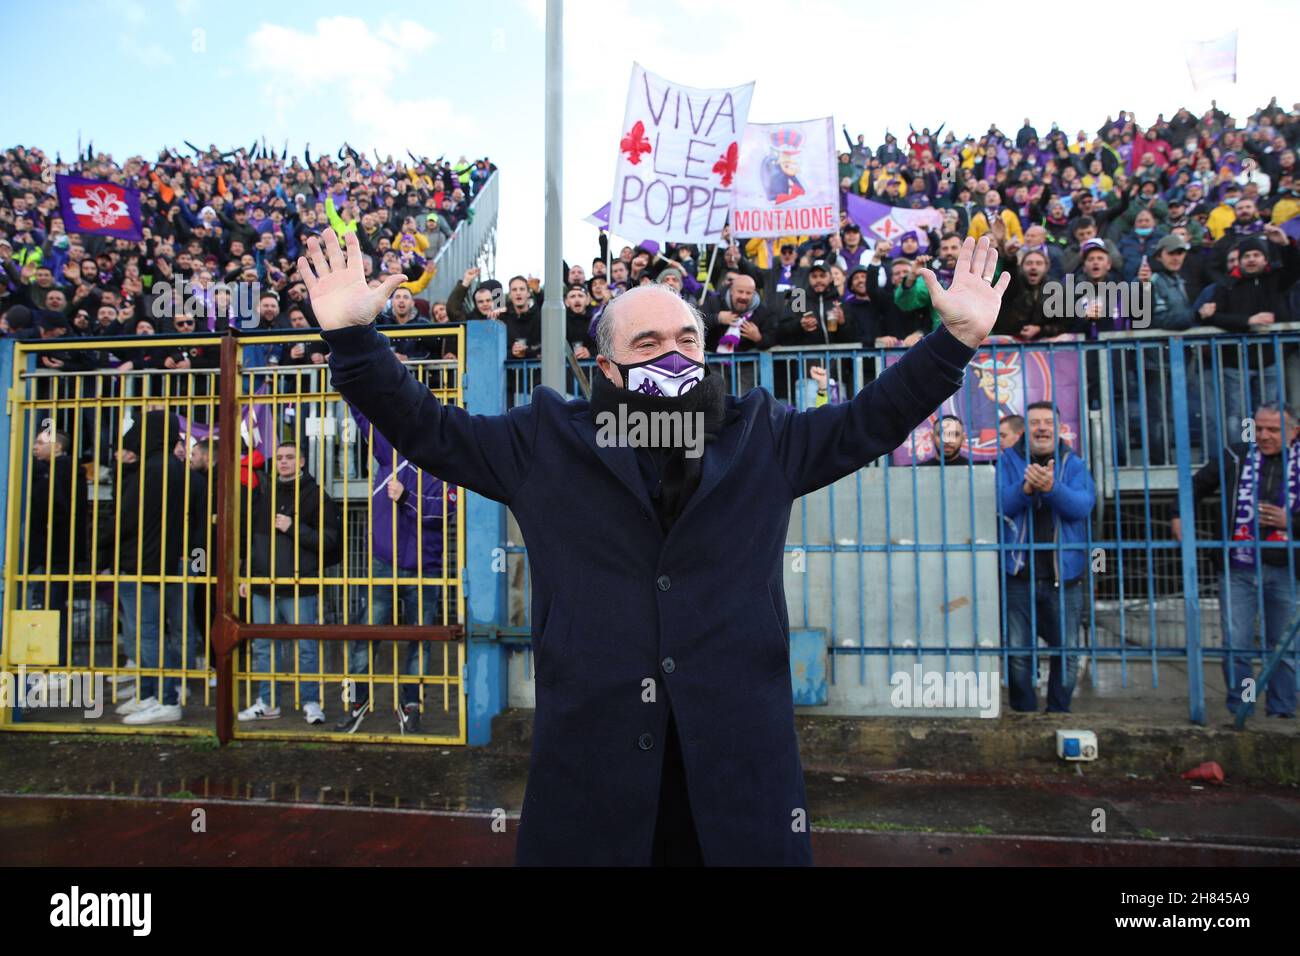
(645, 742)
(668, 664)
(645, 514)
(664, 582)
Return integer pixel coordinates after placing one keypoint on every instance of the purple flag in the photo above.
(98, 207)
(195, 430)
(1002, 379)
(600, 219)
(881, 222)
(256, 426)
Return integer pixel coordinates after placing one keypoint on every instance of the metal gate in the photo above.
(131, 530)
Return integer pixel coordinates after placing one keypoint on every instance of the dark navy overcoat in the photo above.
(625, 619)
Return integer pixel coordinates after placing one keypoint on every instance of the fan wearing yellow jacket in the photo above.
(981, 222)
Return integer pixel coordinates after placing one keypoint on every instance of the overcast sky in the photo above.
(457, 78)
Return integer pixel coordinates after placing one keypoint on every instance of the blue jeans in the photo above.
(148, 601)
(380, 611)
(180, 603)
(289, 610)
(1242, 585)
(1046, 601)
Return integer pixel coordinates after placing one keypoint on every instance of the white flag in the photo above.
(677, 158)
(1213, 61)
(786, 184)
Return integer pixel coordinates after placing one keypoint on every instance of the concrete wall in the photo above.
(851, 595)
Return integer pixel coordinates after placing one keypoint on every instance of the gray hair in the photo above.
(605, 328)
(1287, 411)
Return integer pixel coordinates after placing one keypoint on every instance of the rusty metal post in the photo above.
(225, 637)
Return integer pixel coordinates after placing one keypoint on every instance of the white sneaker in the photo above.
(313, 714)
(56, 680)
(157, 714)
(123, 678)
(259, 711)
(135, 705)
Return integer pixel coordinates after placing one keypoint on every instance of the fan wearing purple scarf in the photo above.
(1260, 513)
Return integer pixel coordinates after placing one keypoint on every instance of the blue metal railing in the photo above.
(910, 565)
(472, 244)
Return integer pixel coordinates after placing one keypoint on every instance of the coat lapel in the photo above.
(621, 460)
(718, 458)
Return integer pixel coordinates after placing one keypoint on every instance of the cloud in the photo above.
(344, 64)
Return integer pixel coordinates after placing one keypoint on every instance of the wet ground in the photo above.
(101, 800)
(109, 832)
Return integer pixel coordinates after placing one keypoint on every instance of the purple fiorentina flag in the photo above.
(196, 430)
(256, 426)
(1292, 228)
(600, 219)
(880, 222)
(98, 207)
(1002, 379)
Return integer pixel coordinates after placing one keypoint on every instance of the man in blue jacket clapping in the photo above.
(1045, 494)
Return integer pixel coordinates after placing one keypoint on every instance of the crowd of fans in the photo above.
(1192, 205)
(227, 223)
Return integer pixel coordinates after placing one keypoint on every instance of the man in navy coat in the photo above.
(664, 724)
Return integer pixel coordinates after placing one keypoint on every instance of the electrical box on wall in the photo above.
(1076, 745)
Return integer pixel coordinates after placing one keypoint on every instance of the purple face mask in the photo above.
(668, 375)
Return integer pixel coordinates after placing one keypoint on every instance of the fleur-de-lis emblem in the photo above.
(104, 207)
(727, 163)
(635, 143)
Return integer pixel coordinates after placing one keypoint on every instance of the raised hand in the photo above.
(339, 294)
(969, 306)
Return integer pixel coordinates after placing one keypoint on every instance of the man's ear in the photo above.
(611, 370)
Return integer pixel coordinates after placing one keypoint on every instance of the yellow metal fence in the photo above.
(343, 552)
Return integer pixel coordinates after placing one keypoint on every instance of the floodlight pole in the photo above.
(553, 341)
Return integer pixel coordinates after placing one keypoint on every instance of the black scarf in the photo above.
(672, 476)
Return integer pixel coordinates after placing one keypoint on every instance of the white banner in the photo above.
(786, 183)
(677, 159)
(1213, 61)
